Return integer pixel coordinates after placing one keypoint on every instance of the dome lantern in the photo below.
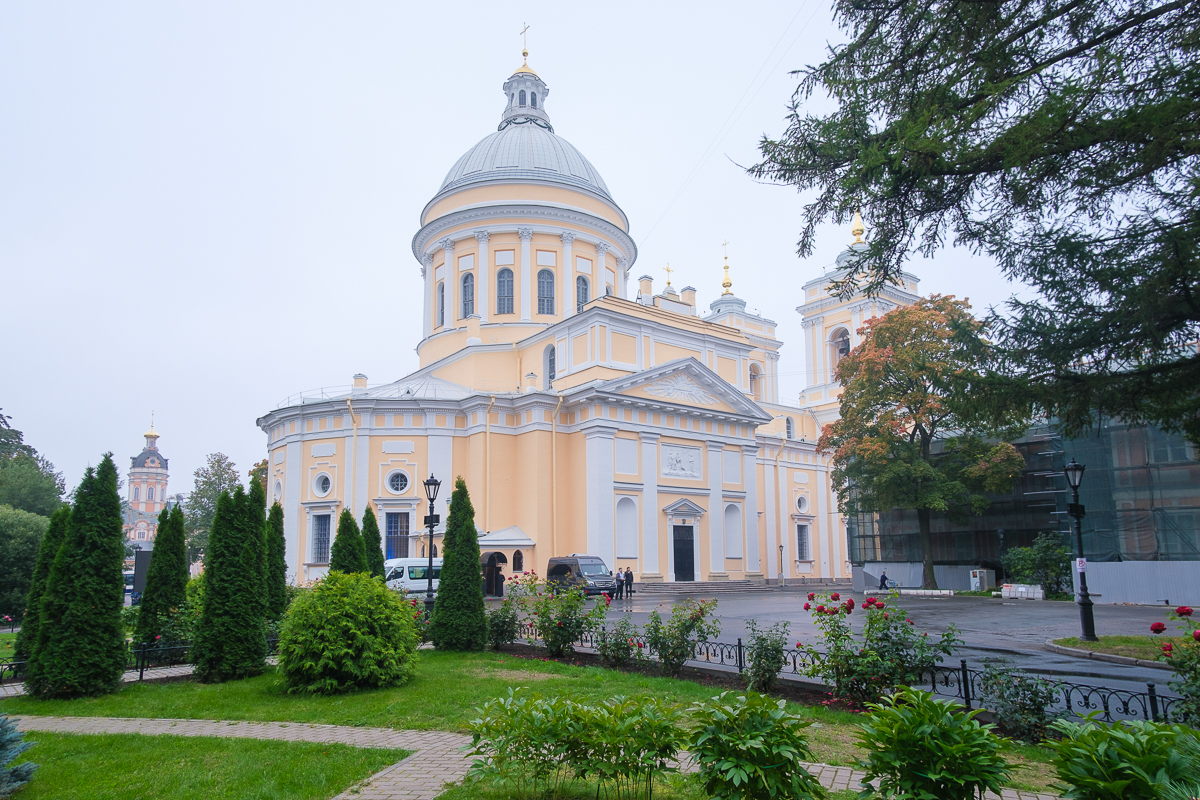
(526, 94)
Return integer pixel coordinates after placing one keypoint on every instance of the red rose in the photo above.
(909, 621)
(812, 595)
(807, 606)
(1196, 636)
(797, 645)
(821, 610)
(1158, 627)
(835, 597)
(850, 602)
(869, 600)
(1167, 648)
(1183, 611)
(885, 616)
(639, 645)
(878, 604)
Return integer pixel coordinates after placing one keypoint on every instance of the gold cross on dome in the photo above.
(725, 244)
(525, 40)
(668, 270)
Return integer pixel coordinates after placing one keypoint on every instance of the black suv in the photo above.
(587, 572)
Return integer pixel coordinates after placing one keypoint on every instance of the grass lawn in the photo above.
(7, 642)
(671, 787)
(1148, 647)
(446, 689)
(136, 767)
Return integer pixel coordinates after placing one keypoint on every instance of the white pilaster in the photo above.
(750, 476)
(785, 520)
(430, 286)
(483, 286)
(527, 287)
(716, 509)
(452, 309)
(622, 277)
(772, 509)
(598, 454)
(293, 494)
(651, 536)
(598, 276)
(566, 274)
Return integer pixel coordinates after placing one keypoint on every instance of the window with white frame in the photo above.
(320, 539)
(397, 482)
(441, 304)
(791, 427)
(545, 285)
(395, 527)
(504, 291)
(322, 484)
(150, 493)
(468, 295)
(137, 494)
(803, 553)
(582, 293)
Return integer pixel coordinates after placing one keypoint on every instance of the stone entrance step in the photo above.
(702, 587)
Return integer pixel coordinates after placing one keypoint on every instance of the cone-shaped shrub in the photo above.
(231, 638)
(350, 632)
(80, 648)
(166, 582)
(373, 543)
(276, 564)
(348, 554)
(52, 542)
(458, 620)
(256, 526)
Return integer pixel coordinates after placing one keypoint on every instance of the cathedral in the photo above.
(586, 415)
(146, 493)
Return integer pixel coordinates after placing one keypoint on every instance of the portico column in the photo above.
(430, 287)
(598, 270)
(483, 285)
(749, 470)
(598, 455)
(526, 280)
(716, 510)
(452, 308)
(772, 509)
(651, 536)
(567, 274)
(622, 277)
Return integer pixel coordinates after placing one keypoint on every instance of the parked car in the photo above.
(411, 574)
(128, 582)
(589, 573)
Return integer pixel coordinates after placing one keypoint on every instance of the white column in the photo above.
(785, 520)
(750, 476)
(295, 551)
(772, 509)
(527, 288)
(566, 274)
(452, 308)
(598, 271)
(598, 450)
(651, 536)
(430, 285)
(823, 523)
(622, 277)
(716, 509)
(484, 283)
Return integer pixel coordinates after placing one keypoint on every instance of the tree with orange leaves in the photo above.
(913, 429)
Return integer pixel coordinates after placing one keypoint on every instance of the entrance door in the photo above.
(685, 553)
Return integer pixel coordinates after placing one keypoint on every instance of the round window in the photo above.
(278, 490)
(802, 504)
(397, 482)
(323, 484)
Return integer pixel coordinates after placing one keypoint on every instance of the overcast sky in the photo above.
(206, 207)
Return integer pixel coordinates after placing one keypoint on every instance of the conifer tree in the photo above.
(458, 620)
(373, 543)
(80, 648)
(348, 553)
(52, 542)
(276, 564)
(166, 580)
(256, 523)
(230, 640)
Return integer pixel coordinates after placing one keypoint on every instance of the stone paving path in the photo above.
(437, 758)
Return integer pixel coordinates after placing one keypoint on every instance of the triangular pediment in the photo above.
(683, 508)
(685, 382)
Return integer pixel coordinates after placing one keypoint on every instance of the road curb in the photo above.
(1106, 657)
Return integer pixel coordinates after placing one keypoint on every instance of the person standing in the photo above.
(618, 586)
(883, 582)
(629, 583)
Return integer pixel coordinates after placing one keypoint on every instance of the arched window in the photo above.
(468, 295)
(608, 290)
(791, 428)
(582, 293)
(504, 291)
(441, 304)
(150, 493)
(755, 382)
(522, 95)
(550, 366)
(545, 292)
(518, 562)
(533, 97)
(137, 494)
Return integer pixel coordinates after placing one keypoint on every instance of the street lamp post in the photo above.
(781, 565)
(1074, 473)
(431, 491)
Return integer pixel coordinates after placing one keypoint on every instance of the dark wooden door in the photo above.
(685, 553)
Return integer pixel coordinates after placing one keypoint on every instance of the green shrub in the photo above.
(459, 621)
(166, 582)
(675, 641)
(277, 591)
(1047, 564)
(764, 652)
(1184, 659)
(56, 534)
(372, 543)
(504, 623)
(1118, 761)
(619, 645)
(348, 553)
(350, 632)
(1186, 788)
(80, 649)
(748, 747)
(921, 747)
(560, 619)
(625, 742)
(892, 651)
(13, 744)
(1019, 702)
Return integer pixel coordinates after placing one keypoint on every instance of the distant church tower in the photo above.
(146, 491)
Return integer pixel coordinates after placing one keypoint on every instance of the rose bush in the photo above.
(1184, 658)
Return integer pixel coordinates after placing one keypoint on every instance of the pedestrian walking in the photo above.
(883, 582)
(628, 583)
(618, 587)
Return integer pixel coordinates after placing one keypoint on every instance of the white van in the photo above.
(411, 574)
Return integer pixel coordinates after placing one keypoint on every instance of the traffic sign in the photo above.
(432, 519)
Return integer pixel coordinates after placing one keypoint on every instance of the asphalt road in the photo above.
(1015, 630)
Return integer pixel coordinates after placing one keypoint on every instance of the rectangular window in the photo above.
(396, 535)
(1166, 448)
(802, 551)
(320, 539)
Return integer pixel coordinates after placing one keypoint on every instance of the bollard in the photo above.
(741, 661)
(966, 684)
(1153, 701)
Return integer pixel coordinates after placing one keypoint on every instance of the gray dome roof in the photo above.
(143, 460)
(525, 152)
